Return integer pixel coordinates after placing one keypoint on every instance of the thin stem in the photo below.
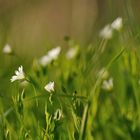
(84, 120)
(35, 94)
(33, 89)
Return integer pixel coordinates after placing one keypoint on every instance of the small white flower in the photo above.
(53, 54)
(117, 24)
(7, 49)
(58, 115)
(49, 87)
(106, 32)
(50, 56)
(44, 60)
(19, 74)
(72, 52)
(108, 84)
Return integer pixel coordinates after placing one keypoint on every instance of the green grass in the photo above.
(89, 112)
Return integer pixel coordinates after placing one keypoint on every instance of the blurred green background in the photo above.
(32, 27)
(36, 24)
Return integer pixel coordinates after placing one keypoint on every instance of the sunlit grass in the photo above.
(77, 92)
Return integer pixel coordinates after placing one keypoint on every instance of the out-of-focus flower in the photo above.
(50, 56)
(53, 54)
(19, 74)
(103, 73)
(117, 24)
(44, 60)
(58, 115)
(106, 32)
(108, 84)
(72, 52)
(7, 49)
(49, 87)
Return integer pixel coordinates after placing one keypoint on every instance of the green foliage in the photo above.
(95, 95)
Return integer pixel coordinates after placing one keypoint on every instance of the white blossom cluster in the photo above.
(50, 56)
(107, 31)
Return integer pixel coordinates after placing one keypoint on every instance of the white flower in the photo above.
(19, 74)
(117, 24)
(72, 52)
(108, 84)
(49, 87)
(58, 115)
(7, 49)
(44, 60)
(106, 32)
(53, 54)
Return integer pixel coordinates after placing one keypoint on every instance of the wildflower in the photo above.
(19, 74)
(106, 32)
(58, 115)
(44, 60)
(7, 49)
(72, 52)
(108, 84)
(117, 24)
(49, 87)
(53, 54)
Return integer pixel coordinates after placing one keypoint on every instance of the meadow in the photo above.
(74, 91)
